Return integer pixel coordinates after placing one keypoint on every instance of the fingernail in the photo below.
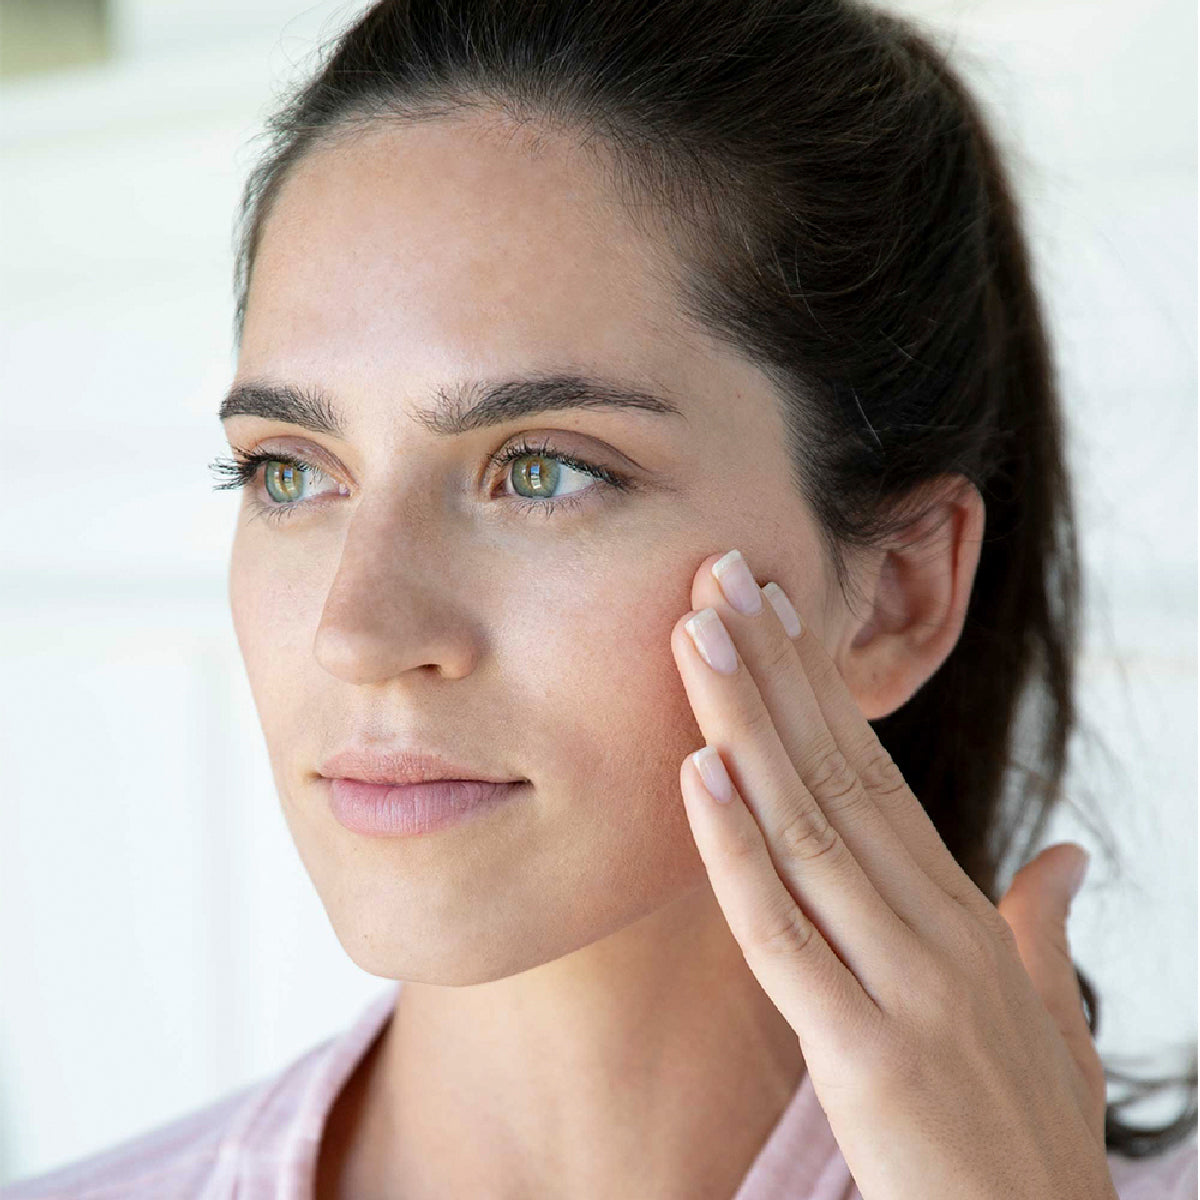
(713, 641)
(783, 606)
(732, 573)
(712, 771)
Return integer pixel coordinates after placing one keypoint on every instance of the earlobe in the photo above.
(920, 593)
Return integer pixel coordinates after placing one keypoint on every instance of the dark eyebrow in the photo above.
(460, 409)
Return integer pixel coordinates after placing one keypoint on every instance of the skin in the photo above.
(574, 994)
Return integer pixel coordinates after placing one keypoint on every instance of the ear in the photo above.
(921, 581)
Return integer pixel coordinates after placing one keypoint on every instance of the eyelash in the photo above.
(243, 469)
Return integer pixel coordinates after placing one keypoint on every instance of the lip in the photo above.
(368, 764)
(404, 810)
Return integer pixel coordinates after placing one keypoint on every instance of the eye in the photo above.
(284, 476)
(544, 470)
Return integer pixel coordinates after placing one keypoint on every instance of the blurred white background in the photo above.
(160, 943)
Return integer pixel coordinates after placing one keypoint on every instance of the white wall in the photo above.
(152, 907)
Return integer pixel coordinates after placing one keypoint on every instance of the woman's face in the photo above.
(415, 597)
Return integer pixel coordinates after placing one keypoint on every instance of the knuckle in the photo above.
(928, 992)
(807, 834)
(782, 931)
(779, 654)
(881, 775)
(941, 993)
(976, 948)
(941, 1001)
(962, 889)
(754, 719)
(828, 773)
(743, 844)
(992, 920)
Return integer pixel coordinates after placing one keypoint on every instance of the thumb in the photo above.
(1036, 907)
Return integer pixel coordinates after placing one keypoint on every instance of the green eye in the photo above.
(539, 471)
(283, 480)
(285, 476)
(541, 474)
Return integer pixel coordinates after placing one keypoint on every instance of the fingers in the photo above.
(804, 848)
(831, 767)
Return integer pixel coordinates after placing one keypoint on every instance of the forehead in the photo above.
(453, 246)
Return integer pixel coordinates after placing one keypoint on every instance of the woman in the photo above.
(618, 379)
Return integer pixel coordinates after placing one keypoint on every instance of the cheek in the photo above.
(274, 609)
(608, 711)
(601, 725)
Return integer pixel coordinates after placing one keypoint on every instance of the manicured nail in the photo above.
(783, 606)
(713, 641)
(712, 770)
(737, 583)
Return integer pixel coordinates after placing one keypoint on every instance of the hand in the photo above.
(945, 1036)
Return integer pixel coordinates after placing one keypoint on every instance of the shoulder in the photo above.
(173, 1159)
(181, 1158)
(1170, 1175)
(254, 1138)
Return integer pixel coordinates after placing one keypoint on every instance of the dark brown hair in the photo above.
(838, 212)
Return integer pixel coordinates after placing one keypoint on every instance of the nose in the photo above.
(393, 606)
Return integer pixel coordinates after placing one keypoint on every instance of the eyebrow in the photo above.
(459, 409)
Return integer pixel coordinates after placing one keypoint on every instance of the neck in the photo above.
(648, 1063)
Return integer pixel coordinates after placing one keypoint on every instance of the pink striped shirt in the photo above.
(260, 1143)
